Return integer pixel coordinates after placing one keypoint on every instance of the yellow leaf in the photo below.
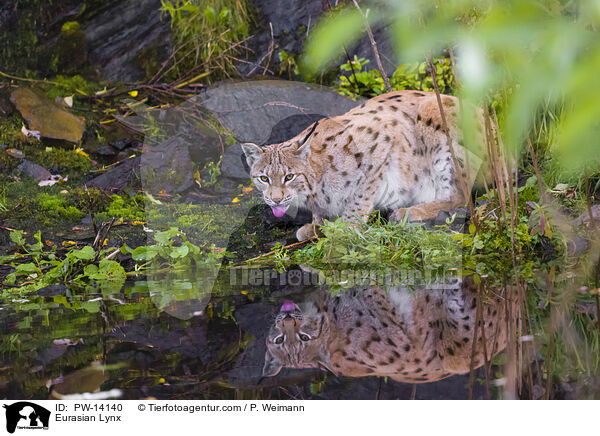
(244, 292)
(105, 242)
(235, 200)
(247, 189)
(161, 380)
(133, 93)
(81, 152)
(68, 243)
(137, 223)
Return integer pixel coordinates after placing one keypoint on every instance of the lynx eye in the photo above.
(289, 177)
(264, 179)
(279, 340)
(304, 337)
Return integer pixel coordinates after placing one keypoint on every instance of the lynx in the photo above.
(390, 153)
(412, 337)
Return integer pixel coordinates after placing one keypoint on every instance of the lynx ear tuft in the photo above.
(272, 365)
(252, 152)
(324, 362)
(303, 146)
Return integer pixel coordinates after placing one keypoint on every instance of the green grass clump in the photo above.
(207, 33)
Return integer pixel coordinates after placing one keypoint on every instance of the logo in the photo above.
(26, 415)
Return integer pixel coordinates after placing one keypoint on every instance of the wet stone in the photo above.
(234, 164)
(119, 177)
(35, 171)
(52, 291)
(46, 117)
(106, 150)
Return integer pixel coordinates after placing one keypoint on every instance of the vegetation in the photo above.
(226, 22)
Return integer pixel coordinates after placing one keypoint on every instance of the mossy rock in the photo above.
(47, 117)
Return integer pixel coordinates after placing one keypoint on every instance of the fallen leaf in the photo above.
(68, 243)
(81, 152)
(68, 101)
(35, 133)
(235, 200)
(133, 93)
(247, 189)
(54, 179)
(15, 153)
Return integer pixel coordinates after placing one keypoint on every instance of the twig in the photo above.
(295, 244)
(384, 75)
(458, 169)
(24, 79)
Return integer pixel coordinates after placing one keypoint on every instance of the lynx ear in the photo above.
(324, 362)
(303, 146)
(252, 152)
(272, 365)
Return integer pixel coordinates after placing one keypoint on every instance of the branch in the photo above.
(386, 79)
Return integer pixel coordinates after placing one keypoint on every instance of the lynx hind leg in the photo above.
(425, 211)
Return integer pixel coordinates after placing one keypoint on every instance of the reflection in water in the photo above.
(415, 336)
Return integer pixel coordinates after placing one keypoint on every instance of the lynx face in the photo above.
(279, 171)
(297, 339)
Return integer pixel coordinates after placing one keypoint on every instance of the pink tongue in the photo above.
(288, 306)
(279, 211)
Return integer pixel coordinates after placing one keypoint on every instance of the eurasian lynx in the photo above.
(390, 153)
(412, 337)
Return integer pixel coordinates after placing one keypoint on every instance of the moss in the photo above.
(10, 132)
(70, 85)
(59, 160)
(69, 28)
(55, 207)
(128, 208)
(90, 200)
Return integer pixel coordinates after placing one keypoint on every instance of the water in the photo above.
(205, 345)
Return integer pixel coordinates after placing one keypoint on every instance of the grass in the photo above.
(207, 37)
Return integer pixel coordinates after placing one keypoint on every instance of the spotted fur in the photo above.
(390, 153)
(411, 337)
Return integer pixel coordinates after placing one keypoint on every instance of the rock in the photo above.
(119, 32)
(251, 110)
(119, 177)
(45, 116)
(576, 245)
(167, 167)
(122, 143)
(106, 150)
(6, 107)
(33, 170)
(52, 290)
(234, 163)
(584, 218)
(290, 21)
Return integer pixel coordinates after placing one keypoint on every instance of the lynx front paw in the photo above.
(307, 231)
(413, 213)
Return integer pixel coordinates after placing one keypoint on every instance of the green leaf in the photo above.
(210, 14)
(17, 237)
(26, 267)
(86, 253)
(223, 15)
(144, 253)
(179, 252)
